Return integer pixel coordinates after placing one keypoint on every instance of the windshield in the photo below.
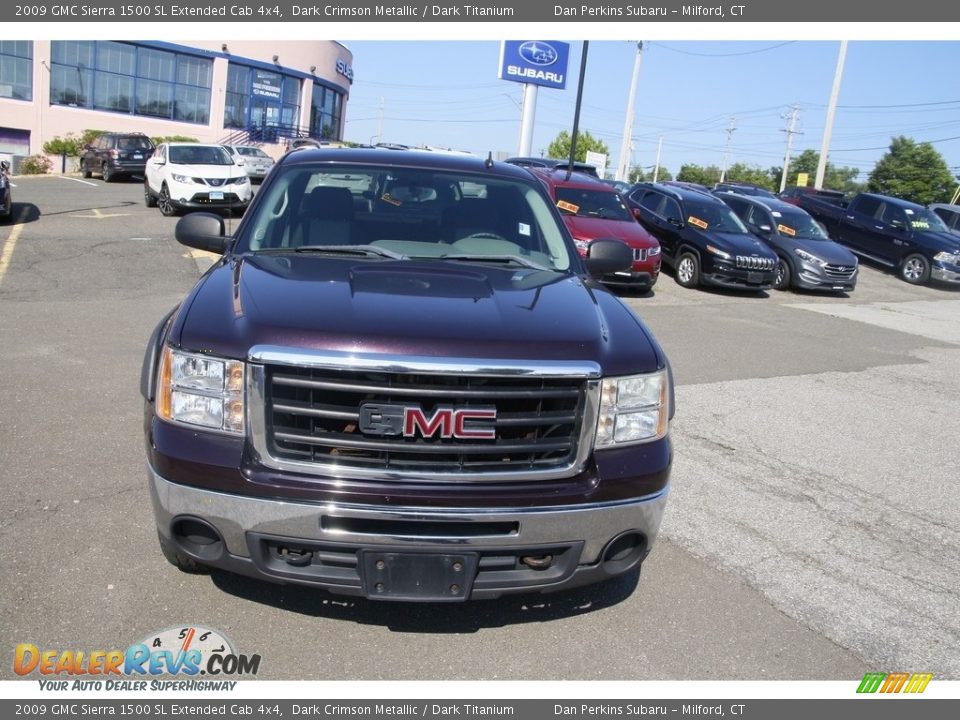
(408, 213)
(592, 203)
(798, 225)
(252, 152)
(926, 221)
(199, 155)
(135, 143)
(714, 216)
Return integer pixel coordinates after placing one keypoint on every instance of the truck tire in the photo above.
(915, 269)
(178, 559)
(688, 270)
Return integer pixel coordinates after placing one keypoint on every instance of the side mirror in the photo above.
(676, 222)
(4, 166)
(765, 229)
(203, 231)
(636, 212)
(607, 256)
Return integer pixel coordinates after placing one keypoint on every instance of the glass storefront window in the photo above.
(16, 69)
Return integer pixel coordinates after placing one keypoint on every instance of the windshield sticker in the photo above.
(387, 197)
(786, 230)
(921, 224)
(568, 206)
(775, 213)
(523, 229)
(908, 211)
(702, 224)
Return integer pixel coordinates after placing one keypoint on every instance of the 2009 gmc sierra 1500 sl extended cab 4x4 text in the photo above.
(401, 381)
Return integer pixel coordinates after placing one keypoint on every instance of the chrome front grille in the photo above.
(839, 272)
(748, 262)
(639, 253)
(309, 417)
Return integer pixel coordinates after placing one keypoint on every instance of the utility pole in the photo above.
(626, 144)
(726, 150)
(528, 115)
(380, 124)
(656, 165)
(831, 111)
(790, 131)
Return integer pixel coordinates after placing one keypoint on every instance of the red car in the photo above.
(592, 210)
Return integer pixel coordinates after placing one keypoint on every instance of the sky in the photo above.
(448, 94)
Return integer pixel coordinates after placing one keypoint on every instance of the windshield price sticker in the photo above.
(921, 224)
(786, 230)
(387, 197)
(702, 224)
(568, 206)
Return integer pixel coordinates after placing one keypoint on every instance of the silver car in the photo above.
(252, 159)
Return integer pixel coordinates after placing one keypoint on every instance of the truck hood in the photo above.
(591, 228)
(410, 308)
(947, 241)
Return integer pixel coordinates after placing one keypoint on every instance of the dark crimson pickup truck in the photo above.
(402, 382)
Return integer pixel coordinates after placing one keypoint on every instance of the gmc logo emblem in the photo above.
(445, 422)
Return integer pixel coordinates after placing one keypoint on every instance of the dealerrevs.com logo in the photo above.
(186, 651)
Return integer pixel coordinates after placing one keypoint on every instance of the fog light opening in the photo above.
(197, 538)
(624, 552)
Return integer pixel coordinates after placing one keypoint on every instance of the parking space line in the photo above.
(11, 243)
(85, 182)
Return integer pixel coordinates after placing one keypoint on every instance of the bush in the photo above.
(70, 145)
(35, 165)
(173, 138)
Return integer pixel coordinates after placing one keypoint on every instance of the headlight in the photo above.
(655, 250)
(241, 180)
(718, 252)
(633, 409)
(201, 390)
(946, 257)
(807, 257)
(181, 178)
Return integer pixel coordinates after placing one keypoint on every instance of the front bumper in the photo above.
(814, 277)
(321, 544)
(631, 279)
(945, 273)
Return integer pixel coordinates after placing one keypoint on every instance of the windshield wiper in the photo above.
(502, 259)
(366, 250)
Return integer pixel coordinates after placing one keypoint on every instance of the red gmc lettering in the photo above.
(449, 421)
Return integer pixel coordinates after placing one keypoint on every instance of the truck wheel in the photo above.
(915, 269)
(178, 559)
(783, 277)
(688, 270)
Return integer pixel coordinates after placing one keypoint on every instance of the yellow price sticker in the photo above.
(568, 206)
(702, 224)
(786, 230)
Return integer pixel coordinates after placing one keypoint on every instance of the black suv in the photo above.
(115, 154)
(703, 239)
(809, 259)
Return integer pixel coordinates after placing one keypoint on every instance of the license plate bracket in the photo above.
(754, 278)
(435, 577)
(216, 195)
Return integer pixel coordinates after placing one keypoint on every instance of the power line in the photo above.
(734, 54)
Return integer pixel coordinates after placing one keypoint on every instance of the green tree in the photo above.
(912, 171)
(560, 147)
(834, 178)
(752, 174)
(698, 174)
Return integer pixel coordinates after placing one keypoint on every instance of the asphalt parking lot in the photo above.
(813, 530)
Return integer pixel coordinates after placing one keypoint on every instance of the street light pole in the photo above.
(831, 111)
(623, 168)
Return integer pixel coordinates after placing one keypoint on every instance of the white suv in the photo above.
(191, 176)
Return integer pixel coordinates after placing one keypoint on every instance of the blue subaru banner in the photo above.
(541, 62)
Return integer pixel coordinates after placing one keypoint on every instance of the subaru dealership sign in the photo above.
(540, 62)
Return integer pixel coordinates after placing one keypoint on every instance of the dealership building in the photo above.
(241, 91)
